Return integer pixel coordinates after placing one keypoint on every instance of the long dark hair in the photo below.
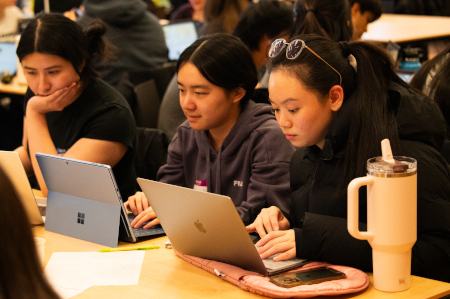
(327, 18)
(221, 16)
(373, 6)
(225, 61)
(20, 269)
(437, 88)
(374, 116)
(267, 17)
(55, 34)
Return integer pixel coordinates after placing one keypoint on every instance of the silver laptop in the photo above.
(178, 37)
(207, 225)
(84, 202)
(12, 166)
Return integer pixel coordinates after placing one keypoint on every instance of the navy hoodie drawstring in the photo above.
(218, 172)
(208, 162)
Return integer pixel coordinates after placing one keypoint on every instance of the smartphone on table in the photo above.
(314, 276)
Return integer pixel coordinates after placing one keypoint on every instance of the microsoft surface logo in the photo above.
(80, 218)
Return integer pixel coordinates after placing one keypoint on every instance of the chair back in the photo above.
(149, 89)
(151, 152)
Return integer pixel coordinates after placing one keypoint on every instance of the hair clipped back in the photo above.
(97, 43)
(57, 35)
(373, 114)
(223, 60)
(316, 74)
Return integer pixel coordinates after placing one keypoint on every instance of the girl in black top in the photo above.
(337, 117)
(68, 110)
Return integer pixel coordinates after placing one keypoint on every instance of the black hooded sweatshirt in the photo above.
(319, 214)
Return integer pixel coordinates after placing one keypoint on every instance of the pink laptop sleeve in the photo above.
(355, 281)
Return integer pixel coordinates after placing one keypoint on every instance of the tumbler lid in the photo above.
(403, 166)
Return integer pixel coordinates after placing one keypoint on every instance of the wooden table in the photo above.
(13, 88)
(164, 275)
(407, 28)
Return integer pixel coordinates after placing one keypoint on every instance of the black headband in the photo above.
(345, 49)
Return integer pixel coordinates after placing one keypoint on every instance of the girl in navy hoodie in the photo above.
(228, 145)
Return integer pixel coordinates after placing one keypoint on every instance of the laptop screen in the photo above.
(178, 37)
(8, 60)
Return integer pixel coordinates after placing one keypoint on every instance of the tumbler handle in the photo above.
(353, 208)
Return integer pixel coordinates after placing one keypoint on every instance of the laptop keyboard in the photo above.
(142, 232)
(154, 230)
(42, 210)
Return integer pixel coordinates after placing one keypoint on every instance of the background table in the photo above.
(164, 275)
(13, 88)
(407, 28)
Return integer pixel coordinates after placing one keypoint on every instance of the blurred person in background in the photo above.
(222, 16)
(136, 34)
(327, 18)
(191, 11)
(10, 15)
(432, 78)
(260, 24)
(363, 13)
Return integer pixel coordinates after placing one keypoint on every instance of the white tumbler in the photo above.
(391, 219)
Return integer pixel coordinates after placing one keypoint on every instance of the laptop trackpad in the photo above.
(282, 266)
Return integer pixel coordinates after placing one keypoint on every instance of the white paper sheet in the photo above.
(73, 272)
